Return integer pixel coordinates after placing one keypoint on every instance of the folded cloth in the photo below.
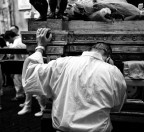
(122, 8)
(134, 69)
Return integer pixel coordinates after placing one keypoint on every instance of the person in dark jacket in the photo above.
(42, 7)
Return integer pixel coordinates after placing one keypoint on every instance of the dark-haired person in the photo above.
(84, 89)
(57, 4)
(15, 29)
(16, 41)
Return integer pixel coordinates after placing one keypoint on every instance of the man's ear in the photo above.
(109, 60)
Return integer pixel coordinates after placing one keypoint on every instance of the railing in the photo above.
(11, 66)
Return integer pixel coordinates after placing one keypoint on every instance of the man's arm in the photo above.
(37, 57)
(34, 70)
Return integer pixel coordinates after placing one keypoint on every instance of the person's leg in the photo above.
(42, 100)
(53, 5)
(41, 6)
(27, 105)
(62, 6)
(18, 86)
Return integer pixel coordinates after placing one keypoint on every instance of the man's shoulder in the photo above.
(110, 68)
(114, 70)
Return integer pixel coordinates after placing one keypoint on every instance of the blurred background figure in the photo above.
(2, 44)
(16, 41)
(56, 8)
(42, 7)
(15, 29)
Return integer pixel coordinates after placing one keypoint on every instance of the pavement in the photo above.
(10, 121)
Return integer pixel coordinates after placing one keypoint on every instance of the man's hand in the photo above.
(41, 36)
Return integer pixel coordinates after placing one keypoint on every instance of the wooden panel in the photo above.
(135, 117)
(52, 57)
(126, 37)
(28, 37)
(13, 51)
(104, 26)
(34, 25)
(55, 50)
(115, 48)
(83, 37)
(132, 82)
(31, 48)
(77, 48)
(127, 49)
(127, 56)
(58, 37)
(117, 37)
(74, 25)
(54, 24)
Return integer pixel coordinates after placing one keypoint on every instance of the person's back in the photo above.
(84, 93)
(84, 89)
(17, 44)
(15, 39)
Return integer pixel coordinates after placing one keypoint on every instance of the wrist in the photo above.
(40, 48)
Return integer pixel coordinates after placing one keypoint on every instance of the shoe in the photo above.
(38, 114)
(22, 105)
(51, 15)
(59, 16)
(41, 18)
(25, 110)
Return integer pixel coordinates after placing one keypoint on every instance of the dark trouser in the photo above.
(62, 4)
(41, 6)
(135, 2)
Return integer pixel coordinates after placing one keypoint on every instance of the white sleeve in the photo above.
(36, 75)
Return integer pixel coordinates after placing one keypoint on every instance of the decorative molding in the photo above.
(55, 50)
(125, 38)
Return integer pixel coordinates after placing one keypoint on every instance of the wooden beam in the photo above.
(12, 51)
